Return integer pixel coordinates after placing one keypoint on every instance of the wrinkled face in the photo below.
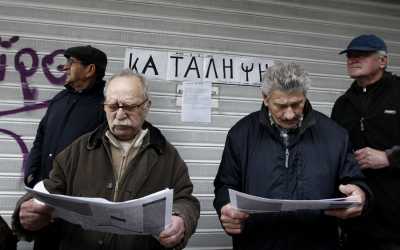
(364, 64)
(75, 71)
(126, 107)
(286, 108)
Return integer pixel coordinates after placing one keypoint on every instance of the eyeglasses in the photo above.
(71, 61)
(112, 107)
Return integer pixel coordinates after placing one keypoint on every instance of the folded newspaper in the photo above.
(147, 215)
(254, 204)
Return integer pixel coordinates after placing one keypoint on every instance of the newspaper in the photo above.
(254, 204)
(148, 215)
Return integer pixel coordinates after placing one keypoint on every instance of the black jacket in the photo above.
(372, 117)
(70, 114)
(254, 162)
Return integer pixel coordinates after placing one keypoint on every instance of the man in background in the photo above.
(370, 111)
(74, 111)
(71, 113)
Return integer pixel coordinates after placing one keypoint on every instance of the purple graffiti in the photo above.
(21, 144)
(48, 60)
(3, 62)
(25, 71)
(8, 44)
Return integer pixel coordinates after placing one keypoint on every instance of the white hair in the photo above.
(286, 77)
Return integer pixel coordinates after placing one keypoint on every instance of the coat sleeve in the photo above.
(229, 174)
(34, 162)
(56, 184)
(185, 204)
(350, 172)
(393, 155)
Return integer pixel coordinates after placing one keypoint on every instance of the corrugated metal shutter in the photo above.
(310, 32)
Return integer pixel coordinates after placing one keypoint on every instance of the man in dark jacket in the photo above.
(287, 151)
(125, 159)
(370, 111)
(71, 113)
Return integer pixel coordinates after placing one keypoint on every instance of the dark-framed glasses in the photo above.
(71, 61)
(125, 107)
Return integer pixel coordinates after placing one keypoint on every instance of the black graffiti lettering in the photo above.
(176, 63)
(230, 66)
(247, 70)
(150, 64)
(209, 66)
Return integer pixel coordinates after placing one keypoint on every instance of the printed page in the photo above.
(148, 215)
(254, 204)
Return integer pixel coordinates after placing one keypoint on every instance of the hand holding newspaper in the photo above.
(254, 204)
(148, 215)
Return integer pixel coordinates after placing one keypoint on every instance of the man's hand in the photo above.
(371, 158)
(174, 233)
(34, 215)
(231, 219)
(354, 192)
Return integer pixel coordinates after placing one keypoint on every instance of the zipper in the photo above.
(362, 128)
(285, 138)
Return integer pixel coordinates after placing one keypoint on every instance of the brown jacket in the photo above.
(85, 169)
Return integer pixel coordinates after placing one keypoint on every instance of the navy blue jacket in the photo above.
(70, 114)
(254, 162)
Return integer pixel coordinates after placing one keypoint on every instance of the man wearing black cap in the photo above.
(370, 111)
(73, 112)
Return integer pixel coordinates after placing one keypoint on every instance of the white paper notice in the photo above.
(196, 102)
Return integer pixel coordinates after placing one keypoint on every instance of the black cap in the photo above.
(366, 43)
(88, 55)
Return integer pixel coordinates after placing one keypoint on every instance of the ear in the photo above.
(91, 71)
(265, 99)
(383, 62)
(148, 105)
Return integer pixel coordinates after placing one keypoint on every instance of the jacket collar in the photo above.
(156, 138)
(356, 89)
(96, 87)
(308, 119)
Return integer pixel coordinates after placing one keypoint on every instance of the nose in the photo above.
(66, 66)
(288, 114)
(120, 115)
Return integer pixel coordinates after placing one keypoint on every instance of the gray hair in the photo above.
(286, 77)
(129, 73)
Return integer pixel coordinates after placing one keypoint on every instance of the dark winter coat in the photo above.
(69, 115)
(85, 169)
(254, 162)
(372, 118)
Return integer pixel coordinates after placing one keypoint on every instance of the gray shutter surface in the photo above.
(310, 32)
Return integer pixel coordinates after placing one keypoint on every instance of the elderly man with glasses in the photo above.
(125, 158)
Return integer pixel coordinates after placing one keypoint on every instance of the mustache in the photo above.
(121, 123)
